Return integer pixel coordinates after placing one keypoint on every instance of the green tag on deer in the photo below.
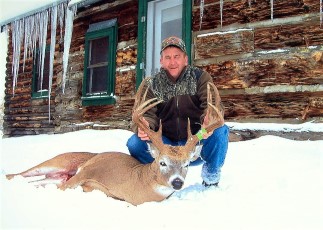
(200, 133)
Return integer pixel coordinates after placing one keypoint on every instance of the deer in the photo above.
(121, 176)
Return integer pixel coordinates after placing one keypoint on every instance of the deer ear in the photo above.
(196, 152)
(154, 152)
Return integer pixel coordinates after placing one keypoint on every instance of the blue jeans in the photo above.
(212, 155)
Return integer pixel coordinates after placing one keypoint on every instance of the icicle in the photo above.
(272, 10)
(29, 31)
(26, 40)
(17, 36)
(53, 25)
(61, 13)
(35, 34)
(69, 17)
(42, 44)
(32, 31)
(221, 10)
(201, 12)
(30, 38)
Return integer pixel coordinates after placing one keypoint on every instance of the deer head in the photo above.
(173, 161)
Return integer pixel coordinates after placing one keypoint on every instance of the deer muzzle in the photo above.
(177, 183)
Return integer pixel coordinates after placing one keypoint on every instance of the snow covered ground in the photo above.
(267, 183)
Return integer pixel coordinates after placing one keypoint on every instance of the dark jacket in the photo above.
(183, 99)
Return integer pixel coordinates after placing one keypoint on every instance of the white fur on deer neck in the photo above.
(164, 191)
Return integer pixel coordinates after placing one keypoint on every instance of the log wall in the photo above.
(26, 116)
(71, 115)
(265, 69)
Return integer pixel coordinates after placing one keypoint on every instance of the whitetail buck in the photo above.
(121, 176)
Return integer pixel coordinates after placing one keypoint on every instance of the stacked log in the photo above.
(265, 69)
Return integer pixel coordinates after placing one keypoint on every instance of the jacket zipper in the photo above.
(177, 108)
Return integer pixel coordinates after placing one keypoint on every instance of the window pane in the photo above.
(171, 22)
(97, 80)
(99, 51)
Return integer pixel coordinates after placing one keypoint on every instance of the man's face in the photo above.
(173, 60)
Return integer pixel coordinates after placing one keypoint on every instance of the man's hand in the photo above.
(141, 134)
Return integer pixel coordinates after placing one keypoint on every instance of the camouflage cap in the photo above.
(173, 41)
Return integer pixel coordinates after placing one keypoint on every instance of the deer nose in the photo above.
(177, 183)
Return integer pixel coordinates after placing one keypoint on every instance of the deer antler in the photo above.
(214, 114)
(141, 106)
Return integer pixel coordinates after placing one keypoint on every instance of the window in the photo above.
(159, 19)
(39, 85)
(99, 63)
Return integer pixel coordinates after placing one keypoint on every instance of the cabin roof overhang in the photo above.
(79, 3)
(29, 13)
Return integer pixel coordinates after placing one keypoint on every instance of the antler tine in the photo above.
(217, 119)
(138, 98)
(211, 86)
(141, 106)
(192, 140)
(214, 114)
(144, 107)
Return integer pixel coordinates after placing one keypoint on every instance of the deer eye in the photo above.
(162, 163)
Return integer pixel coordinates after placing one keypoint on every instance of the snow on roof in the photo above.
(73, 2)
(10, 12)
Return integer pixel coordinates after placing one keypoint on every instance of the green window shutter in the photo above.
(142, 30)
(187, 27)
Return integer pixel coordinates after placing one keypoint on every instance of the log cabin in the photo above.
(83, 68)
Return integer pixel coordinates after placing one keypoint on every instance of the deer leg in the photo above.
(57, 178)
(87, 184)
(62, 166)
(39, 170)
(52, 175)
